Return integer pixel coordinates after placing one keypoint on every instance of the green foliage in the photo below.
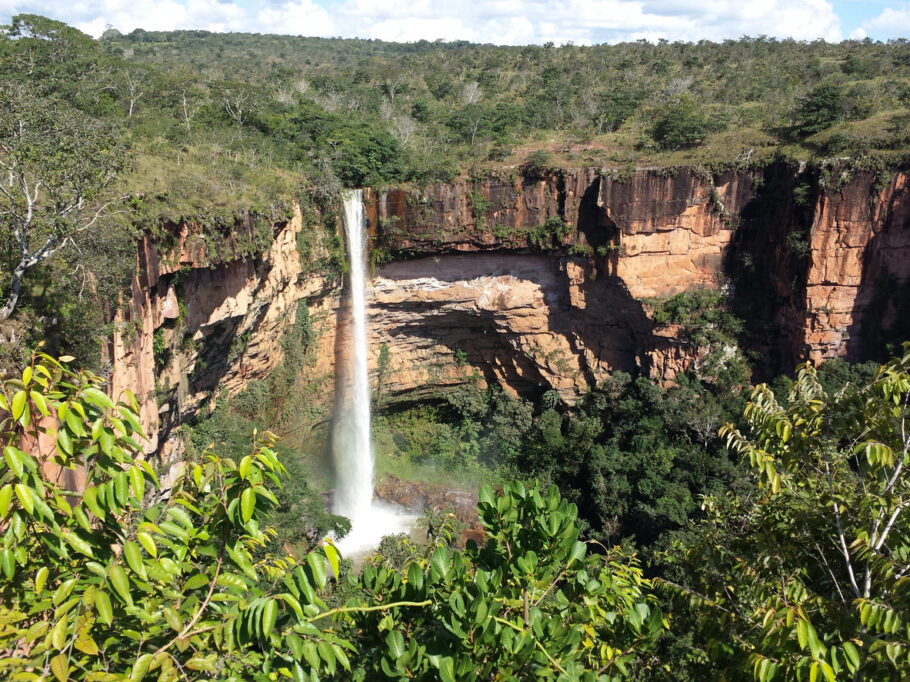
(820, 109)
(118, 581)
(680, 124)
(113, 580)
(808, 578)
(480, 206)
(531, 602)
(538, 163)
(711, 328)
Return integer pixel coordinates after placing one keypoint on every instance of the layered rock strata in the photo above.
(534, 283)
(193, 328)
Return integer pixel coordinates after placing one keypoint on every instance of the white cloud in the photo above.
(891, 23)
(494, 21)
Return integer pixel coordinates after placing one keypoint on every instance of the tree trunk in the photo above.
(14, 286)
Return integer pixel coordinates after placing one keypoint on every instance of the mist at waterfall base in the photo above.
(351, 446)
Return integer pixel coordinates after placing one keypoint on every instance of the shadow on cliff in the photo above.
(767, 266)
(480, 337)
(220, 344)
(881, 309)
(609, 324)
(613, 325)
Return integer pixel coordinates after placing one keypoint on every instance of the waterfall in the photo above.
(352, 450)
(351, 435)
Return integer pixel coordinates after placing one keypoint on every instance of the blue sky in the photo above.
(493, 21)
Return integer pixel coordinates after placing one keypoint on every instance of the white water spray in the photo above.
(353, 451)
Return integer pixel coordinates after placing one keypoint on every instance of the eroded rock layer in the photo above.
(533, 282)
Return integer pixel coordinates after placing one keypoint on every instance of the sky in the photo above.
(511, 22)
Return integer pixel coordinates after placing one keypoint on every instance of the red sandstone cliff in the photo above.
(531, 282)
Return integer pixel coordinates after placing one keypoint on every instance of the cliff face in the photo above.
(551, 298)
(535, 283)
(193, 328)
(858, 282)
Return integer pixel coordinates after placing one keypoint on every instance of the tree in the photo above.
(820, 109)
(679, 124)
(134, 81)
(812, 576)
(531, 603)
(56, 171)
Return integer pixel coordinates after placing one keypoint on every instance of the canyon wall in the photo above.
(195, 328)
(534, 282)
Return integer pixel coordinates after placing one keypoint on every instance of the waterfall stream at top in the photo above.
(352, 449)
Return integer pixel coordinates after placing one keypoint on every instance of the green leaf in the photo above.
(201, 580)
(141, 667)
(121, 583)
(310, 654)
(446, 669)
(103, 607)
(106, 441)
(173, 619)
(24, 493)
(40, 402)
(60, 666)
(58, 633)
(148, 542)
(137, 482)
(441, 563)
(269, 617)
(63, 591)
(247, 504)
(317, 566)
(64, 441)
(11, 455)
(134, 558)
(331, 553)
(18, 405)
(40, 579)
(6, 496)
(852, 655)
(7, 563)
(395, 643)
(78, 544)
(97, 397)
(90, 497)
(121, 487)
(74, 423)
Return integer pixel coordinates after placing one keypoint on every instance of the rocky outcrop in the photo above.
(859, 273)
(526, 322)
(194, 328)
(553, 299)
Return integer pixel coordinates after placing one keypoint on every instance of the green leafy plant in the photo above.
(531, 602)
(115, 579)
(809, 578)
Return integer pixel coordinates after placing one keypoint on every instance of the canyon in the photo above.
(535, 281)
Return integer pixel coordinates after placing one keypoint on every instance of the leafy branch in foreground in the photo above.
(531, 602)
(109, 575)
(813, 577)
(123, 580)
